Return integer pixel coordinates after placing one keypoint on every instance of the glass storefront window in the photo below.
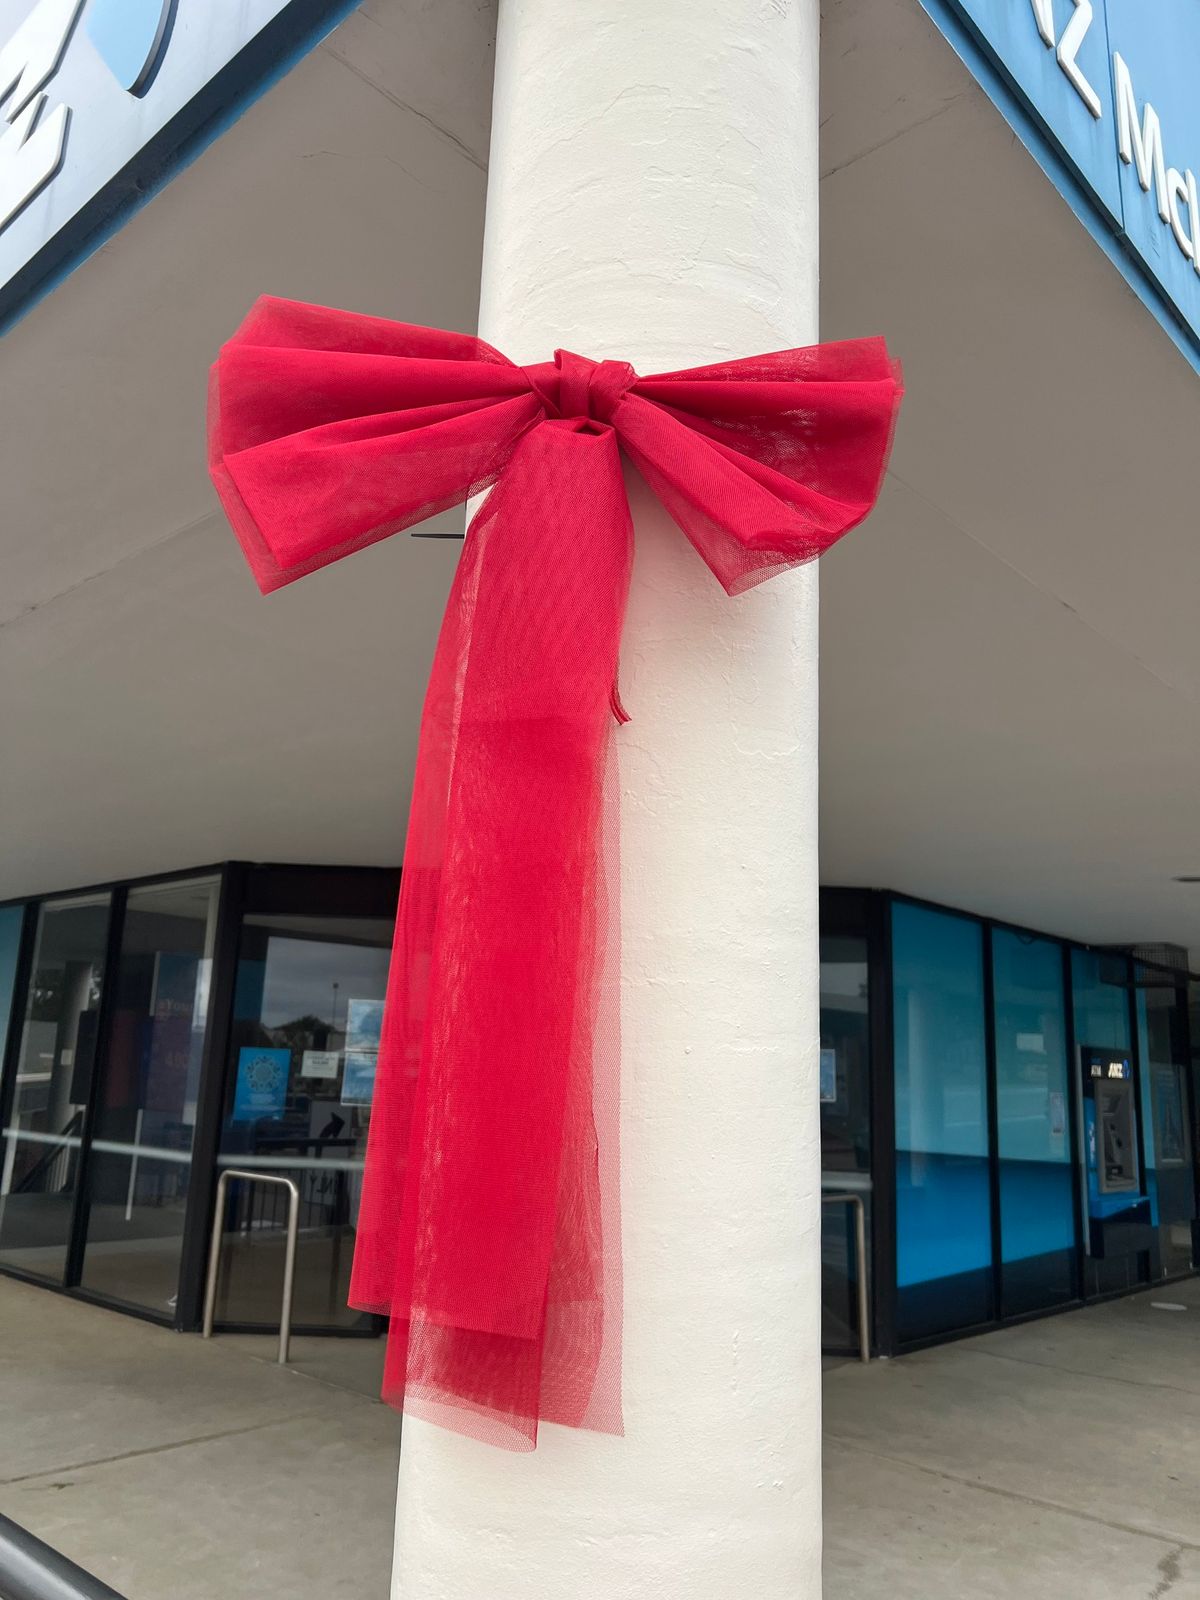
(1037, 1189)
(845, 1093)
(40, 1171)
(12, 920)
(1166, 1136)
(307, 1011)
(1100, 988)
(141, 1149)
(943, 1195)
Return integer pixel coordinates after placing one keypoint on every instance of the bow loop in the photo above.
(329, 431)
(764, 463)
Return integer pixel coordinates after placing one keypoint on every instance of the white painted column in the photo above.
(653, 196)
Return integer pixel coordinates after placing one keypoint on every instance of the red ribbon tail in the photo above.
(484, 1231)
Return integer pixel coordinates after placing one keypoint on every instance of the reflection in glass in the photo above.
(1037, 1196)
(12, 920)
(307, 1011)
(141, 1150)
(845, 1092)
(1100, 993)
(40, 1168)
(943, 1200)
(1163, 1042)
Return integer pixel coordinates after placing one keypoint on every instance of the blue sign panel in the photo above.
(1111, 88)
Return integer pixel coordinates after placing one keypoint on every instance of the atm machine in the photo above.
(1116, 1199)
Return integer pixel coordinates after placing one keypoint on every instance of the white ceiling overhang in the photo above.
(1010, 672)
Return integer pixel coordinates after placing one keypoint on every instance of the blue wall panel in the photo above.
(943, 1196)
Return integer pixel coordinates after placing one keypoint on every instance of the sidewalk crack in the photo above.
(57, 1469)
(1172, 1539)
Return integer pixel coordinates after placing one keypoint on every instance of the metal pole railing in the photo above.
(860, 1265)
(289, 1258)
(31, 1570)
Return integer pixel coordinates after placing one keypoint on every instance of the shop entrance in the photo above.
(308, 1009)
(159, 1031)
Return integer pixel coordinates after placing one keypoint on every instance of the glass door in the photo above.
(42, 1142)
(845, 1091)
(140, 1152)
(308, 1005)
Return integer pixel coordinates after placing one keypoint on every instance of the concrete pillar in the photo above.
(653, 196)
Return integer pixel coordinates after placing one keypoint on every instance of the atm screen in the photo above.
(1118, 1143)
(1111, 1083)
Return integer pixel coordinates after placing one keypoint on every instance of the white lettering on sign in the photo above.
(1043, 15)
(1181, 187)
(1066, 49)
(1140, 143)
(32, 145)
(1139, 139)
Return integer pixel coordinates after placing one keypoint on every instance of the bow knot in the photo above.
(574, 386)
(592, 388)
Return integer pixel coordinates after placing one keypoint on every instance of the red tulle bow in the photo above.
(486, 1230)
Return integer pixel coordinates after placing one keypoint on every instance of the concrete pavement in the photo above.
(1056, 1460)
(1050, 1461)
(177, 1469)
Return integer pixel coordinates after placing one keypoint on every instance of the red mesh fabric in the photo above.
(489, 1226)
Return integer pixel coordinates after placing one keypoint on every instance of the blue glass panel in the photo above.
(1166, 1139)
(11, 918)
(1033, 1135)
(1101, 1001)
(943, 1202)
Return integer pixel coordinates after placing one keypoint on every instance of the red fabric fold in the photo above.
(488, 1225)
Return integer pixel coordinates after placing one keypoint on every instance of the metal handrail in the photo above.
(31, 1570)
(860, 1265)
(289, 1258)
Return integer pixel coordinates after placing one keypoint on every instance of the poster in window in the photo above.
(1168, 1096)
(169, 1047)
(358, 1078)
(262, 1083)
(828, 1077)
(320, 1063)
(364, 1024)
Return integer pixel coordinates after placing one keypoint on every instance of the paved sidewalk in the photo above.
(1058, 1460)
(1055, 1461)
(177, 1469)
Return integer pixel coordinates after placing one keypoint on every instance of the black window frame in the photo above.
(244, 887)
(861, 911)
